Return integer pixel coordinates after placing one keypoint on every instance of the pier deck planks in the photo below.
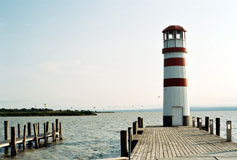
(168, 142)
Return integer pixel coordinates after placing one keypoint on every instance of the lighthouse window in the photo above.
(178, 34)
(171, 34)
(165, 36)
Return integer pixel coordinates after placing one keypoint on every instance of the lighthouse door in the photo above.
(177, 116)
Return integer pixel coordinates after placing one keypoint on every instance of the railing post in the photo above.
(228, 131)
(13, 141)
(36, 136)
(60, 131)
(24, 138)
(218, 126)
(6, 134)
(124, 143)
(200, 123)
(211, 126)
(193, 119)
(129, 143)
(207, 124)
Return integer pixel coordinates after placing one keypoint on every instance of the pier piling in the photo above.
(200, 123)
(124, 143)
(218, 126)
(60, 131)
(193, 120)
(228, 131)
(36, 136)
(211, 126)
(129, 143)
(24, 138)
(56, 123)
(207, 124)
(135, 126)
(6, 134)
(29, 133)
(13, 141)
(19, 134)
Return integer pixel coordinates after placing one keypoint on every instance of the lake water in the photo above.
(97, 137)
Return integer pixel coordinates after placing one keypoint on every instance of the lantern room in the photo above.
(174, 37)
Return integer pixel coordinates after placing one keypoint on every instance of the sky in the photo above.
(107, 54)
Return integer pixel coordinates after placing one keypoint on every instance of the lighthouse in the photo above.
(176, 110)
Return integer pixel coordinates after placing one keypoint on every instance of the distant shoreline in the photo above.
(192, 109)
(43, 112)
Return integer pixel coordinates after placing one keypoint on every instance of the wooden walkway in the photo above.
(167, 142)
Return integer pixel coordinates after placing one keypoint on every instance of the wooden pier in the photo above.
(157, 142)
(29, 139)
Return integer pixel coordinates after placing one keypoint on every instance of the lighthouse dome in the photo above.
(174, 27)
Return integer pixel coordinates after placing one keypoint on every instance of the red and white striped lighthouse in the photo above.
(176, 110)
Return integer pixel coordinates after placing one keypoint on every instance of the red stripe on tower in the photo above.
(175, 49)
(175, 82)
(174, 62)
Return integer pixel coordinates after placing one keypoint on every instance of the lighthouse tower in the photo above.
(176, 110)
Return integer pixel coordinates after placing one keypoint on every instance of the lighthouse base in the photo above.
(167, 121)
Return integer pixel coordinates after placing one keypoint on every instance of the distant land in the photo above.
(43, 112)
(192, 109)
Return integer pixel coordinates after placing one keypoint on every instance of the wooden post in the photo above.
(45, 135)
(207, 124)
(193, 119)
(36, 136)
(211, 126)
(47, 126)
(6, 134)
(56, 122)
(29, 133)
(53, 133)
(38, 128)
(134, 126)
(228, 131)
(218, 126)
(38, 125)
(19, 134)
(124, 143)
(139, 122)
(200, 123)
(129, 143)
(13, 141)
(24, 138)
(60, 131)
